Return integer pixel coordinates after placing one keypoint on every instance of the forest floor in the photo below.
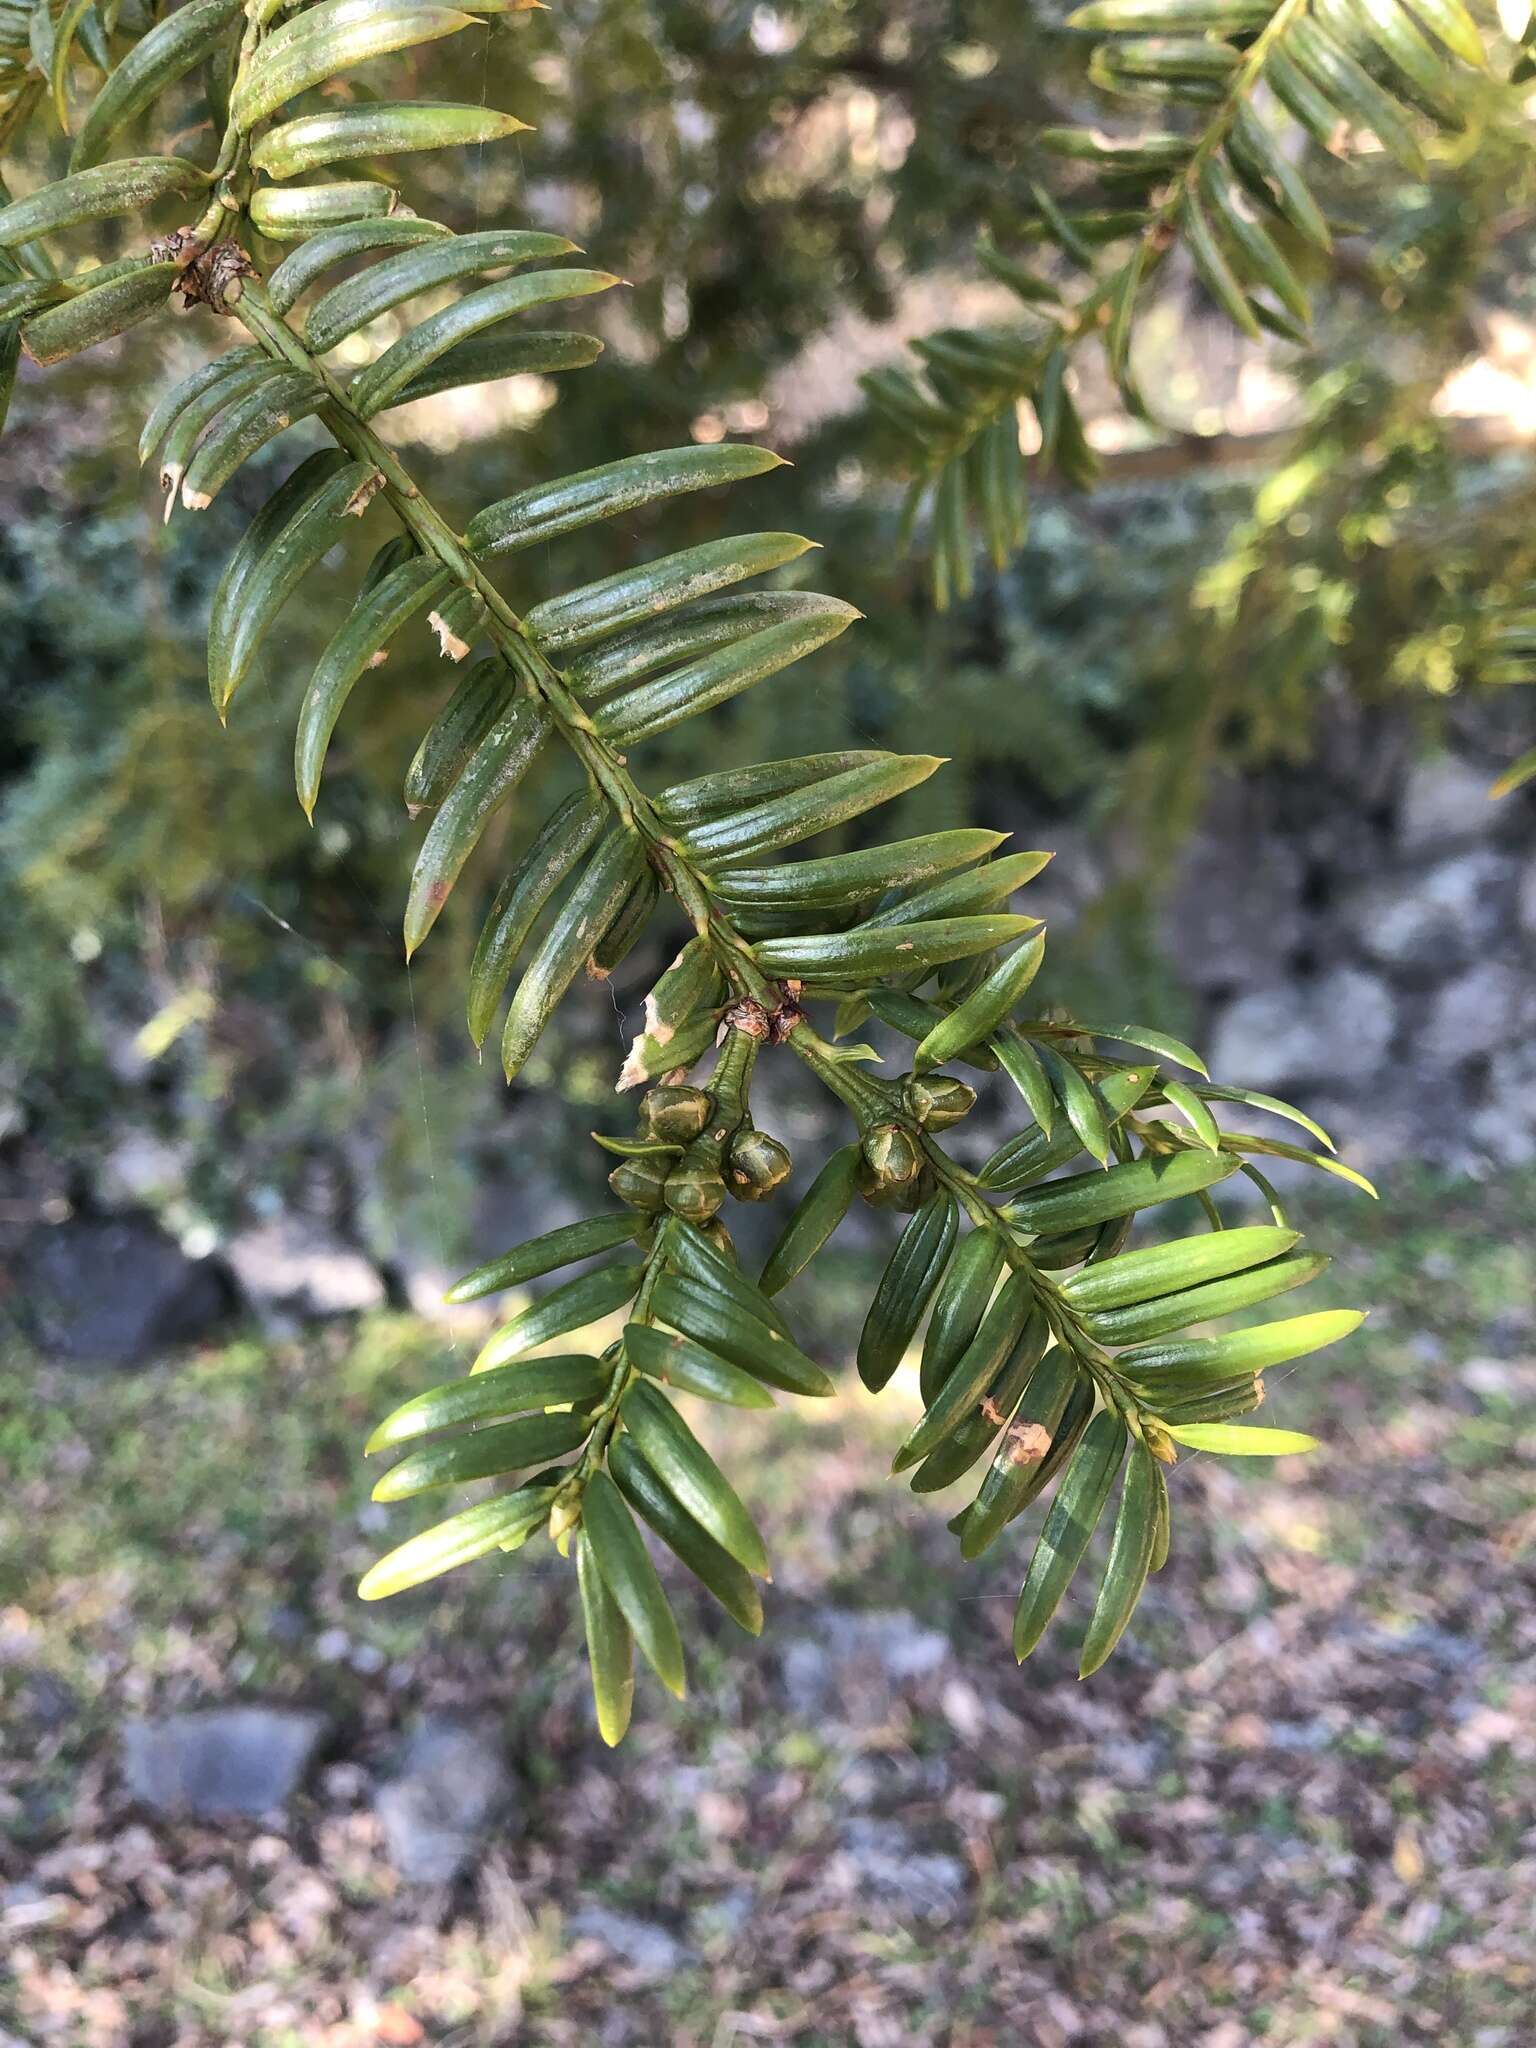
(1297, 1807)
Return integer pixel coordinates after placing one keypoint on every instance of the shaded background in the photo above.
(1229, 688)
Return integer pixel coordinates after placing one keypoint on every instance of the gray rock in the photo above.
(293, 1270)
(228, 1760)
(1234, 911)
(1443, 800)
(888, 1868)
(648, 1950)
(114, 1291)
(1335, 1028)
(1073, 876)
(897, 1641)
(1485, 1010)
(1434, 922)
(1376, 1126)
(451, 1783)
(1504, 1128)
(1525, 901)
(806, 1669)
(141, 1169)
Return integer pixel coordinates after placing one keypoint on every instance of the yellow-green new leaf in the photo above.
(1231, 1440)
(1164, 1269)
(1217, 1298)
(1033, 1154)
(1022, 1064)
(1455, 27)
(1191, 1360)
(69, 24)
(490, 1525)
(610, 1646)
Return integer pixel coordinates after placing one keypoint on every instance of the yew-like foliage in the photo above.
(1054, 1350)
(1265, 112)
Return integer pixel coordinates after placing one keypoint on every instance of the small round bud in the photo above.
(904, 1196)
(755, 1165)
(720, 1238)
(938, 1100)
(694, 1190)
(891, 1155)
(675, 1114)
(640, 1182)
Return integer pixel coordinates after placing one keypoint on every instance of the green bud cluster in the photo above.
(938, 1100)
(677, 1115)
(755, 1165)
